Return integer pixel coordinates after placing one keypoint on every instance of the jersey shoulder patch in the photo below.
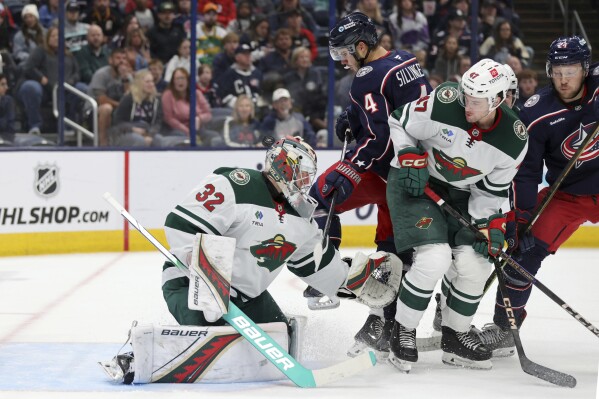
(446, 94)
(446, 109)
(532, 101)
(363, 71)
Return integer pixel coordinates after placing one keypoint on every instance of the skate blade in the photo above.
(504, 352)
(455, 360)
(402, 365)
(323, 303)
(112, 370)
(431, 343)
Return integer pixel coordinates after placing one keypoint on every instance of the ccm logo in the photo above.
(413, 163)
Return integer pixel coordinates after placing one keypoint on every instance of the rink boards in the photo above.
(52, 200)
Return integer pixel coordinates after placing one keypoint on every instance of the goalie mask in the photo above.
(291, 166)
(486, 80)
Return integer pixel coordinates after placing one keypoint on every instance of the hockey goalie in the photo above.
(235, 231)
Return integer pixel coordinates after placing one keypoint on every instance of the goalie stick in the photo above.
(528, 366)
(268, 347)
(548, 196)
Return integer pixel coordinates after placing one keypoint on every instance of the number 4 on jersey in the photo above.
(369, 103)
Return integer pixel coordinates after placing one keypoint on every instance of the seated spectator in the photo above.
(156, 68)
(181, 60)
(107, 86)
(259, 38)
(488, 17)
(456, 27)
(138, 117)
(503, 43)
(300, 36)
(93, 55)
(527, 83)
(226, 11)
(278, 18)
(176, 109)
(138, 49)
(204, 84)
(7, 29)
(279, 60)
(372, 9)
(106, 17)
(165, 36)
(386, 41)
(30, 36)
(241, 24)
(48, 13)
(120, 39)
(209, 35)
(308, 88)
(409, 27)
(241, 129)
(447, 63)
(183, 17)
(223, 60)
(515, 63)
(7, 114)
(241, 78)
(41, 75)
(75, 32)
(282, 122)
(142, 9)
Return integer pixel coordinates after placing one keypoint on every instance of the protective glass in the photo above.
(341, 53)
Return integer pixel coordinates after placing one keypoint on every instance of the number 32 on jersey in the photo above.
(209, 198)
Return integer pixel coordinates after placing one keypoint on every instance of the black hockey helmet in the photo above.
(349, 31)
(566, 50)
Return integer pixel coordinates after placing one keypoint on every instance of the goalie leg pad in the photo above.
(191, 354)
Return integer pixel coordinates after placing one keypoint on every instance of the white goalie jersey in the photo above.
(483, 162)
(237, 203)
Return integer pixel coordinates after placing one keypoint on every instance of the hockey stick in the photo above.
(515, 265)
(549, 195)
(327, 225)
(268, 347)
(528, 366)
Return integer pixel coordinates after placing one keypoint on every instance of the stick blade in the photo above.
(346, 369)
(547, 374)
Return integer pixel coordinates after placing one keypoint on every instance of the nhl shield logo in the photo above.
(46, 180)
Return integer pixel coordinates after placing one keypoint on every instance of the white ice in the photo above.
(59, 315)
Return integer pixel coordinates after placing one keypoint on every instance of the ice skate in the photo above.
(464, 349)
(402, 344)
(382, 344)
(497, 340)
(367, 336)
(120, 369)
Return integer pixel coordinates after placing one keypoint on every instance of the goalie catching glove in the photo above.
(374, 279)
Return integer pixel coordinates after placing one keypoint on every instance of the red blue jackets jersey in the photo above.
(556, 129)
(380, 87)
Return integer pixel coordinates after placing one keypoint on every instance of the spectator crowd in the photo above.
(261, 65)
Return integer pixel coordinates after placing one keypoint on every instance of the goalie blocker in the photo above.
(191, 354)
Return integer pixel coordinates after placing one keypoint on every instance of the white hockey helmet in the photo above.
(485, 79)
(291, 166)
(513, 83)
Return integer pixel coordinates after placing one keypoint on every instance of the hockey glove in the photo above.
(343, 178)
(413, 174)
(516, 220)
(494, 230)
(342, 128)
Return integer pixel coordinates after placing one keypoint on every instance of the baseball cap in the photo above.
(243, 48)
(280, 93)
(72, 6)
(455, 14)
(166, 6)
(210, 7)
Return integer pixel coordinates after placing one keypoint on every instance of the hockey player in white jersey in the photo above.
(269, 216)
(466, 144)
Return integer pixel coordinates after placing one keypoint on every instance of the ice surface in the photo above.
(59, 315)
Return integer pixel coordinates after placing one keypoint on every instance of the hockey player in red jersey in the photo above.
(558, 118)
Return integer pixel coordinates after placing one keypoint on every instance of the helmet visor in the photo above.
(341, 53)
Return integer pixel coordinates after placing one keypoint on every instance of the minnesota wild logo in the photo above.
(273, 253)
(453, 169)
(424, 223)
